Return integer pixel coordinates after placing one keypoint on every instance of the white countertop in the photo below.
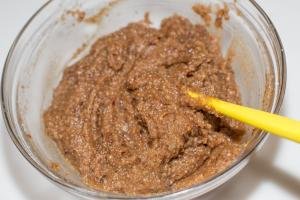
(273, 174)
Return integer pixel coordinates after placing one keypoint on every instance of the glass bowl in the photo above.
(47, 43)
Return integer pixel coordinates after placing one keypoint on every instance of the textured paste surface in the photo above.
(122, 119)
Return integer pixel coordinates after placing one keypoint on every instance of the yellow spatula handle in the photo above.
(275, 124)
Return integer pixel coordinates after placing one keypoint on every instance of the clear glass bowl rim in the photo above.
(70, 187)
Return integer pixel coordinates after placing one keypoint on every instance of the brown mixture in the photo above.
(204, 11)
(222, 14)
(121, 116)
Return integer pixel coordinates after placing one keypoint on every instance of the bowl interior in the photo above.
(57, 37)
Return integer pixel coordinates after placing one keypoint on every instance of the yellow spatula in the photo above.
(275, 124)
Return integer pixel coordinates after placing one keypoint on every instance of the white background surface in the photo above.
(274, 173)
